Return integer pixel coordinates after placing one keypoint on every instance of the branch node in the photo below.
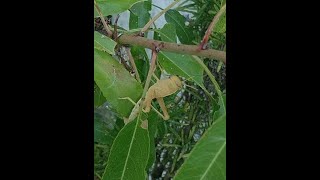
(158, 47)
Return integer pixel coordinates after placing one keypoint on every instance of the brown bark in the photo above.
(172, 47)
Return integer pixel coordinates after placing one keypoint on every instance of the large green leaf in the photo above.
(184, 33)
(139, 14)
(104, 43)
(178, 64)
(207, 160)
(115, 82)
(110, 7)
(129, 153)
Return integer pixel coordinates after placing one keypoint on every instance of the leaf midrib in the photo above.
(213, 160)
(130, 147)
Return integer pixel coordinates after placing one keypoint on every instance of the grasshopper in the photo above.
(160, 89)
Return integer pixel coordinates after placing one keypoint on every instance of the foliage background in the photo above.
(191, 112)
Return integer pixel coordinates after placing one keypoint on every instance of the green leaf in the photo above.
(139, 15)
(184, 33)
(182, 65)
(110, 7)
(99, 99)
(141, 7)
(104, 43)
(222, 107)
(168, 33)
(207, 159)
(178, 64)
(115, 82)
(221, 25)
(129, 153)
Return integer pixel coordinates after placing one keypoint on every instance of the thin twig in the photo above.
(144, 29)
(109, 32)
(211, 27)
(133, 64)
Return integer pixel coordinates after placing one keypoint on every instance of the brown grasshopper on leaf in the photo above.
(160, 89)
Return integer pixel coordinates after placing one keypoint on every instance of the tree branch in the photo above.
(172, 47)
